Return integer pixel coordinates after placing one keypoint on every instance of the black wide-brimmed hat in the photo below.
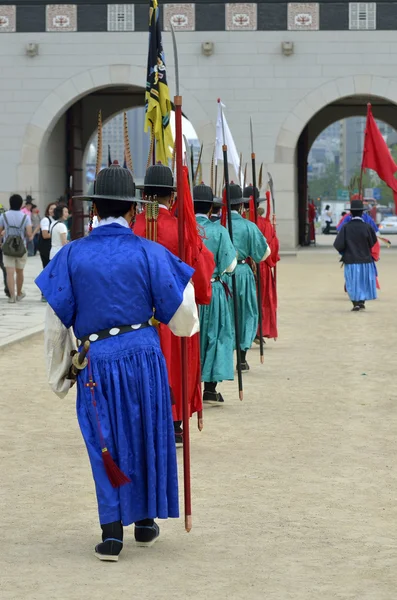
(113, 183)
(158, 176)
(236, 195)
(357, 204)
(249, 191)
(203, 193)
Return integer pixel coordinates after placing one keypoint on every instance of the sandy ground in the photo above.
(294, 488)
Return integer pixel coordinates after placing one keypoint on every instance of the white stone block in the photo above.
(47, 112)
(380, 86)
(362, 84)
(120, 74)
(67, 92)
(294, 123)
(30, 154)
(330, 92)
(345, 86)
(83, 82)
(285, 154)
(33, 135)
(392, 91)
(101, 77)
(303, 111)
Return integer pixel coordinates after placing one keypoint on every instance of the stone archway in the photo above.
(285, 166)
(48, 114)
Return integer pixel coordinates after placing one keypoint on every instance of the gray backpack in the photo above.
(14, 245)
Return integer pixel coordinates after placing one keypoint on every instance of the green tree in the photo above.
(327, 185)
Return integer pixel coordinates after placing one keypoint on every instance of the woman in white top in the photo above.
(58, 230)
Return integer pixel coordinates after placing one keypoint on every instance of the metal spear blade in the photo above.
(176, 62)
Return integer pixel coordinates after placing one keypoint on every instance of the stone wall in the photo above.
(247, 70)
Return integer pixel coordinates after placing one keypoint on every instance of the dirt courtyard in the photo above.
(294, 489)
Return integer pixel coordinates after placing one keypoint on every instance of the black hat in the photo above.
(29, 199)
(113, 183)
(357, 205)
(203, 193)
(159, 176)
(249, 191)
(236, 196)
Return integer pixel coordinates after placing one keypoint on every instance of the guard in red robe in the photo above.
(268, 283)
(311, 215)
(159, 186)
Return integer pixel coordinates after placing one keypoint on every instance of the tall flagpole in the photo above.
(258, 266)
(234, 285)
(182, 255)
(271, 186)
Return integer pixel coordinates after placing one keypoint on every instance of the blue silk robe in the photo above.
(216, 331)
(108, 279)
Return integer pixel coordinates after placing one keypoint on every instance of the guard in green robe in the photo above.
(216, 331)
(249, 243)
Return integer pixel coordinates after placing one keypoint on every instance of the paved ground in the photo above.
(26, 317)
(294, 488)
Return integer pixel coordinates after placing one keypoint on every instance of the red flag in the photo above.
(376, 154)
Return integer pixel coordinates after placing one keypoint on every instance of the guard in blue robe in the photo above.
(216, 331)
(106, 287)
(249, 243)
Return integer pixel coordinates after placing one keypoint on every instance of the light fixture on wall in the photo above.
(32, 49)
(207, 48)
(287, 48)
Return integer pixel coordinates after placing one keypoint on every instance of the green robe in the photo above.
(249, 242)
(216, 331)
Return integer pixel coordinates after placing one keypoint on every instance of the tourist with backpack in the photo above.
(17, 229)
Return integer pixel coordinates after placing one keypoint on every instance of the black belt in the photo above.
(112, 332)
(225, 286)
(241, 262)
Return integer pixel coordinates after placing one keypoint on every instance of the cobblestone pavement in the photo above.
(294, 489)
(26, 317)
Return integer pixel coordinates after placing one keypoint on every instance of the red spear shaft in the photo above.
(181, 252)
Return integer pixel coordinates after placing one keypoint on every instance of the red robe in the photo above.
(268, 284)
(167, 236)
(312, 218)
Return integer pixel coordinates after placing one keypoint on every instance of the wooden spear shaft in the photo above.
(184, 363)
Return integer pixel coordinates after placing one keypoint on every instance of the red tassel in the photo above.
(224, 209)
(116, 477)
(252, 209)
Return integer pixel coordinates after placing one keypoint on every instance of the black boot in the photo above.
(361, 304)
(146, 533)
(356, 306)
(178, 433)
(211, 396)
(243, 361)
(112, 542)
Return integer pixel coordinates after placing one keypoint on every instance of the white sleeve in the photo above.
(185, 321)
(45, 224)
(58, 344)
(267, 253)
(232, 266)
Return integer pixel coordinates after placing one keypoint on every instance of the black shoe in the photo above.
(212, 397)
(361, 305)
(7, 293)
(257, 340)
(355, 308)
(244, 366)
(112, 542)
(179, 439)
(146, 533)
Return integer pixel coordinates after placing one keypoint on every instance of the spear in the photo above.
(258, 266)
(230, 227)
(182, 255)
(271, 186)
(198, 166)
